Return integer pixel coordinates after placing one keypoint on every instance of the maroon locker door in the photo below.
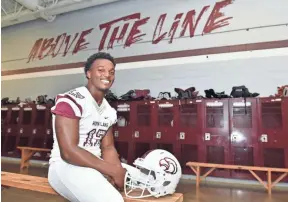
(48, 142)
(11, 132)
(25, 133)
(141, 123)
(243, 135)
(189, 132)
(164, 131)
(272, 134)
(123, 131)
(4, 123)
(215, 137)
(39, 127)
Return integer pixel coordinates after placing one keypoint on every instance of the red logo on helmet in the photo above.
(169, 165)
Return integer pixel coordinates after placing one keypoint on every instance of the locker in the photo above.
(123, 131)
(214, 140)
(189, 131)
(48, 141)
(273, 132)
(11, 131)
(38, 129)
(27, 117)
(4, 118)
(141, 124)
(164, 126)
(244, 146)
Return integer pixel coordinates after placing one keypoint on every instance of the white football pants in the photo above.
(81, 184)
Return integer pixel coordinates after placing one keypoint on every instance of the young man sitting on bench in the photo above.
(84, 164)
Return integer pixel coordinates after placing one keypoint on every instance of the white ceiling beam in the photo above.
(50, 12)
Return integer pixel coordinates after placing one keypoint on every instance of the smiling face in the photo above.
(101, 74)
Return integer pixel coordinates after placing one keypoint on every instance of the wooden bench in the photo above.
(26, 155)
(196, 167)
(41, 184)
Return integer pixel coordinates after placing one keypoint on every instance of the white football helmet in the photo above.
(157, 173)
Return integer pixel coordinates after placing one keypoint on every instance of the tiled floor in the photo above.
(205, 194)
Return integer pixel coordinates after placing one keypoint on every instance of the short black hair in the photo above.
(100, 55)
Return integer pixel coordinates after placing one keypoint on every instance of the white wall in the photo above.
(260, 75)
(265, 21)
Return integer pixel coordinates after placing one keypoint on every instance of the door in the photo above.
(189, 131)
(243, 135)
(215, 136)
(142, 131)
(123, 131)
(272, 134)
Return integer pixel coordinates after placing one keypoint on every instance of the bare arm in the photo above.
(67, 132)
(109, 152)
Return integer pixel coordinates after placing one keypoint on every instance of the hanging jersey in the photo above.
(94, 120)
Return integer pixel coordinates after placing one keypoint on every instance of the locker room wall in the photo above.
(260, 75)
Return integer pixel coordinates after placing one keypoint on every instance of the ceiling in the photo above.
(10, 7)
(19, 11)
